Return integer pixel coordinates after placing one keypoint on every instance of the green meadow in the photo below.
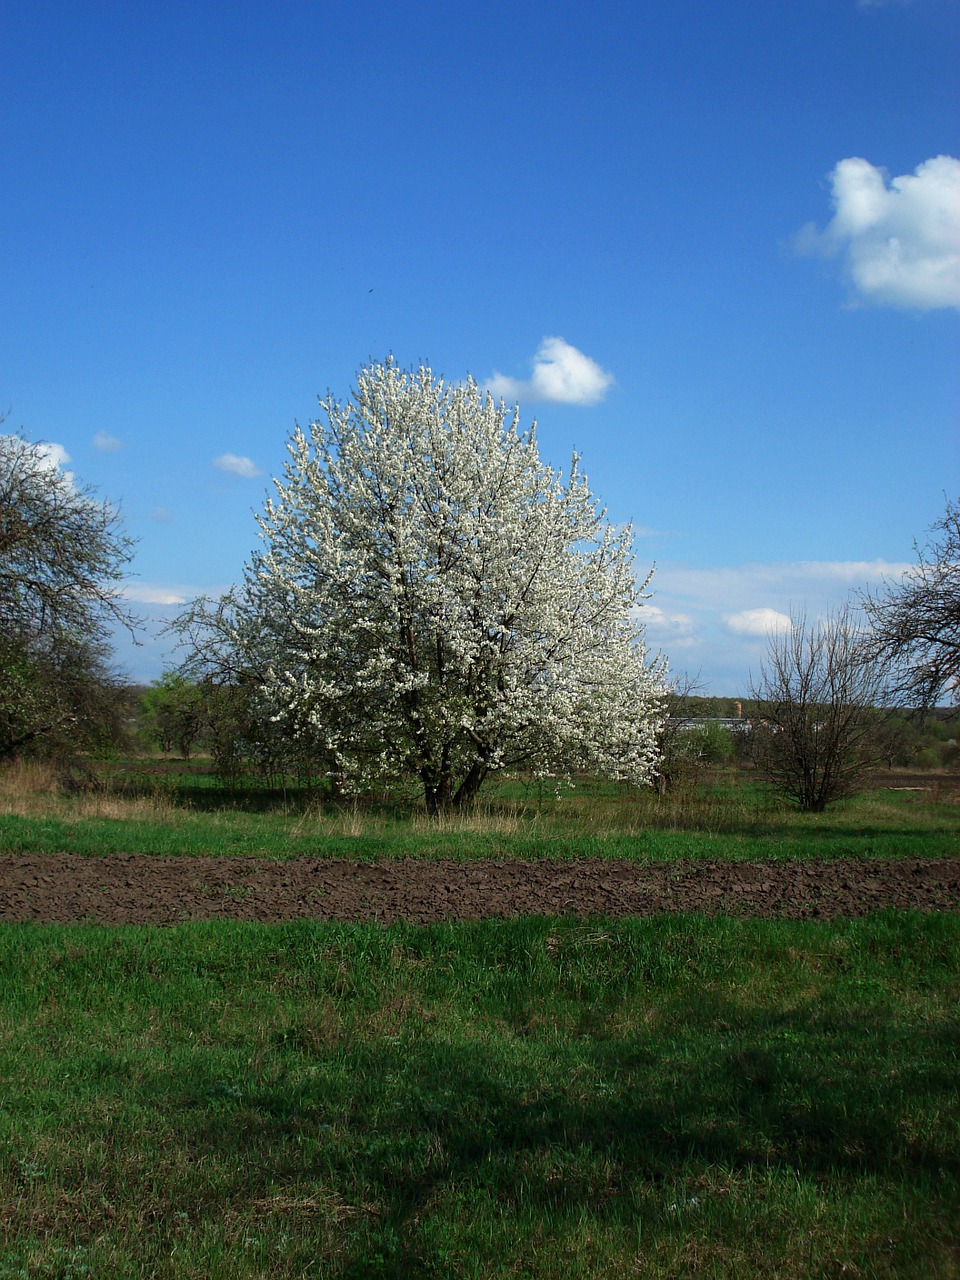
(663, 1097)
(176, 808)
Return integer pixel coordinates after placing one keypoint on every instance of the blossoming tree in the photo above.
(432, 600)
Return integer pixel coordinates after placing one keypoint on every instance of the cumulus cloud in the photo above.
(757, 622)
(46, 453)
(560, 374)
(723, 616)
(52, 455)
(106, 443)
(716, 621)
(900, 239)
(668, 626)
(236, 465)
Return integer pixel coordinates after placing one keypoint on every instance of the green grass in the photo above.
(179, 812)
(646, 1098)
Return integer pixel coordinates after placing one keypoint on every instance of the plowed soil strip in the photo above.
(137, 889)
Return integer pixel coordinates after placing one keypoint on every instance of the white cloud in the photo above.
(161, 515)
(732, 589)
(52, 455)
(106, 443)
(169, 594)
(900, 239)
(668, 626)
(145, 593)
(236, 465)
(757, 622)
(720, 618)
(561, 374)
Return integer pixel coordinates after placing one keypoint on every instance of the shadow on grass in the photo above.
(398, 1125)
(371, 1102)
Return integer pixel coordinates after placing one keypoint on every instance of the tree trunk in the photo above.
(441, 796)
(467, 791)
(437, 793)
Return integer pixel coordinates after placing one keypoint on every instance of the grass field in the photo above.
(179, 811)
(529, 1098)
(661, 1097)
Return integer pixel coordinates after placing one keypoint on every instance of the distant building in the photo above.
(734, 724)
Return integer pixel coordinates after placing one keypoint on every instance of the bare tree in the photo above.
(915, 623)
(819, 692)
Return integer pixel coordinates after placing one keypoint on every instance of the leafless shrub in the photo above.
(818, 730)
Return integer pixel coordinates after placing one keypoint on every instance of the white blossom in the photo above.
(432, 600)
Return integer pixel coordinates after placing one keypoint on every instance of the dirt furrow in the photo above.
(138, 889)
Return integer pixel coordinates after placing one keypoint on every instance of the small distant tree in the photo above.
(915, 623)
(237, 736)
(62, 556)
(434, 602)
(174, 713)
(715, 744)
(819, 695)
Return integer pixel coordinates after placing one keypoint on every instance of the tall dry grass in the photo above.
(35, 788)
(28, 788)
(352, 821)
(497, 820)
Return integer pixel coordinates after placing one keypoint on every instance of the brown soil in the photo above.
(138, 889)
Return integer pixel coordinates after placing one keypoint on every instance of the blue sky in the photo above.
(714, 247)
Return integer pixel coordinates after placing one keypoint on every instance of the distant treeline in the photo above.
(176, 717)
(914, 741)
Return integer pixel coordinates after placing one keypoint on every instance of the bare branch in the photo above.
(915, 623)
(62, 556)
(819, 691)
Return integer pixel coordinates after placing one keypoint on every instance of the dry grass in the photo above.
(140, 808)
(28, 788)
(351, 822)
(493, 820)
(34, 788)
(106, 808)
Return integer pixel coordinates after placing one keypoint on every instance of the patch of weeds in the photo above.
(57, 1262)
